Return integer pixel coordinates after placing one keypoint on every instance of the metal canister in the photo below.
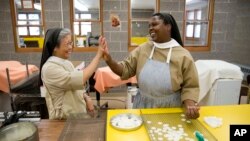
(131, 93)
(20, 131)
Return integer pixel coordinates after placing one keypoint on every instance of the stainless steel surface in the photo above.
(21, 131)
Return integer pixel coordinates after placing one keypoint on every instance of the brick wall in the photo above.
(230, 37)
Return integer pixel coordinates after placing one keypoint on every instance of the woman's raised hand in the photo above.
(104, 47)
(100, 48)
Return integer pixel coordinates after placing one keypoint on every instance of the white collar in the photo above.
(171, 43)
(61, 61)
(56, 59)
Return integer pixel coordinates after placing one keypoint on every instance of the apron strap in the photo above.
(152, 52)
(169, 55)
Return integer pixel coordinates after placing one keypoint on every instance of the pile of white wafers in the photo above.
(170, 131)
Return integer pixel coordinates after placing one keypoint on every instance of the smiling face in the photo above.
(158, 31)
(65, 48)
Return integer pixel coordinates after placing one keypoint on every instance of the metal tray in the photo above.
(83, 127)
(174, 126)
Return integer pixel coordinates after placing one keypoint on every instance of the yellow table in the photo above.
(231, 114)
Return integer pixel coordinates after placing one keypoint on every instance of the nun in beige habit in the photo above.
(165, 71)
(64, 85)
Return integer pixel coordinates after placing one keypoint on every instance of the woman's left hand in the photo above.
(191, 109)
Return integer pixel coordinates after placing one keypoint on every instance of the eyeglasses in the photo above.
(69, 44)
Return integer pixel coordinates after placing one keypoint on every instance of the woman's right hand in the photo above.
(101, 47)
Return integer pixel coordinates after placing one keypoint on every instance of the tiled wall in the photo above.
(230, 38)
(230, 32)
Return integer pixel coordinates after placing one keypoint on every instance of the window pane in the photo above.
(76, 16)
(22, 16)
(139, 32)
(90, 32)
(197, 31)
(87, 23)
(198, 15)
(93, 36)
(22, 31)
(139, 29)
(190, 15)
(34, 31)
(140, 12)
(189, 31)
(85, 16)
(194, 5)
(95, 29)
(197, 22)
(203, 34)
(85, 28)
(142, 9)
(91, 7)
(76, 28)
(201, 30)
(21, 22)
(34, 22)
(33, 16)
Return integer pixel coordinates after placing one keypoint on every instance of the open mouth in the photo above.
(69, 52)
(152, 35)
